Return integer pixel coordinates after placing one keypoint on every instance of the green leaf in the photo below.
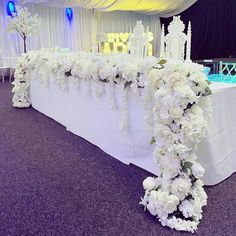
(208, 82)
(162, 62)
(187, 165)
(159, 187)
(127, 84)
(207, 91)
(153, 140)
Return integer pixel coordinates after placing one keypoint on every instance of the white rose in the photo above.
(154, 195)
(184, 91)
(162, 92)
(149, 183)
(176, 112)
(163, 113)
(187, 208)
(180, 187)
(165, 135)
(159, 152)
(203, 84)
(180, 149)
(154, 74)
(153, 208)
(176, 78)
(198, 184)
(196, 110)
(172, 203)
(197, 170)
(162, 204)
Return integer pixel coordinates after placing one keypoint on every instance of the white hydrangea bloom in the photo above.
(180, 187)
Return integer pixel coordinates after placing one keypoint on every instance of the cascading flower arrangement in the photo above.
(177, 196)
(177, 107)
(23, 23)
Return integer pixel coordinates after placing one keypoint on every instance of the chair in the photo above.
(138, 41)
(174, 43)
(2, 70)
(228, 68)
(2, 74)
(7, 65)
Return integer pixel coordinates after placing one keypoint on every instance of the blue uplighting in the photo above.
(222, 78)
(11, 8)
(69, 13)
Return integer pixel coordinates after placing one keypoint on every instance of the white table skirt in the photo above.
(92, 118)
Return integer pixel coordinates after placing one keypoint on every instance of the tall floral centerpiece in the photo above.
(24, 23)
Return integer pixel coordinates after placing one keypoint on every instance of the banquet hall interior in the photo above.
(117, 117)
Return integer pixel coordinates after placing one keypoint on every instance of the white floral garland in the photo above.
(121, 69)
(176, 106)
(177, 196)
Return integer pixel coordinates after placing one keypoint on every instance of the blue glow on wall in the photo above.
(11, 8)
(69, 13)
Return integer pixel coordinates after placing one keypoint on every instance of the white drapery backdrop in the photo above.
(79, 35)
(8, 42)
(56, 30)
(164, 8)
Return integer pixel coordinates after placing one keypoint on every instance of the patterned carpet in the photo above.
(55, 183)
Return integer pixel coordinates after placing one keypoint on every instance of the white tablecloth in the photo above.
(92, 118)
(217, 152)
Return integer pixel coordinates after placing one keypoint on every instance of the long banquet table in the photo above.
(92, 118)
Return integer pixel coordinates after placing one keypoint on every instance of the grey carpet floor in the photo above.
(55, 183)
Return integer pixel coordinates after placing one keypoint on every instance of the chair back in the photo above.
(176, 44)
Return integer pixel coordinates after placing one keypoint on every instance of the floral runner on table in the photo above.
(175, 95)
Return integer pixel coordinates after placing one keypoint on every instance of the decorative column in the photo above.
(162, 51)
(188, 49)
